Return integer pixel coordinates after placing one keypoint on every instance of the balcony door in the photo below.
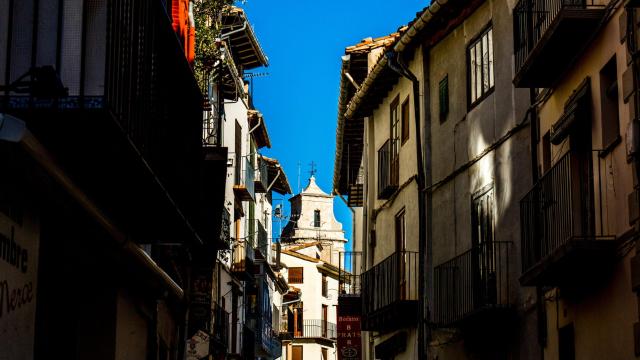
(483, 256)
(401, 248)
(582, 178)
(394, 142)
(325, 316)
(298, 323)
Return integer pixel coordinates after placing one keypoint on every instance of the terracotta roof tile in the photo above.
(369, 44)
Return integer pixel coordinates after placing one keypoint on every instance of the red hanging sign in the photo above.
(349, 343)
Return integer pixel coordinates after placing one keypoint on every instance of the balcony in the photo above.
(311, 329)
(549, 35)
(349, 274)
(267, 343)
(261, 181)
(244, 182)
(225, 229)
(258, 236)
(473, 287)
(388, 169)
(390, 293)
(243, 258)
(103, 101)
(220, 328)
(562, 241)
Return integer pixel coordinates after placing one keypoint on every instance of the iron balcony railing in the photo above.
(392, 281)
(144, 63)
(388, 169)
(262, 177)
(245, 175)
(275, 346)
(225, 229)
(212, 121)
(313, 329)
(262, 240)
(220, 325)
(532, 19)
(561, 207)
(470, 282)
(350, 271)
(243, 254)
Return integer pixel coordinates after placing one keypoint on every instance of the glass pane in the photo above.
(472, 76)
(478, 70)
(485, 64)
(490, 36)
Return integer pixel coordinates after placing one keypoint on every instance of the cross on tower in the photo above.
(313, 170)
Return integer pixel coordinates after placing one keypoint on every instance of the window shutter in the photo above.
(444, 98)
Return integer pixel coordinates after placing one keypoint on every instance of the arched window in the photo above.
(316, 218)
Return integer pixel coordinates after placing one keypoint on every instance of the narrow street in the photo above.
(359, 180)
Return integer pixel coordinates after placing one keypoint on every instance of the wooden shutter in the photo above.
(405, 120)
(296, 275)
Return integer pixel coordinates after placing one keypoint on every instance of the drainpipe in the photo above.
(257, 125)
(396, 64)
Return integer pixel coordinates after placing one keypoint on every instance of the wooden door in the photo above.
(296, 352)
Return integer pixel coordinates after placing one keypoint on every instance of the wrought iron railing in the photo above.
(212, 118)
(350, 271)
(245, 174)
(393, 280)
(471, 281)
(144, 65)
(561, 206)
(388, 169)
(262, 176)
(225, 228)
(312, 329)
(243, 253)
(220, 325)
(275, 347)
(532, 18)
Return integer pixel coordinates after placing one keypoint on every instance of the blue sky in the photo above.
(304, 41)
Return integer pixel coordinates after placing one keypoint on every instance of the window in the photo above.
(480, 60)
(609, 101)
(482, 216)
(325, 285)
(316, 218)
(405, 120)
(444, 98)
(296, 275)
(395, 131)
